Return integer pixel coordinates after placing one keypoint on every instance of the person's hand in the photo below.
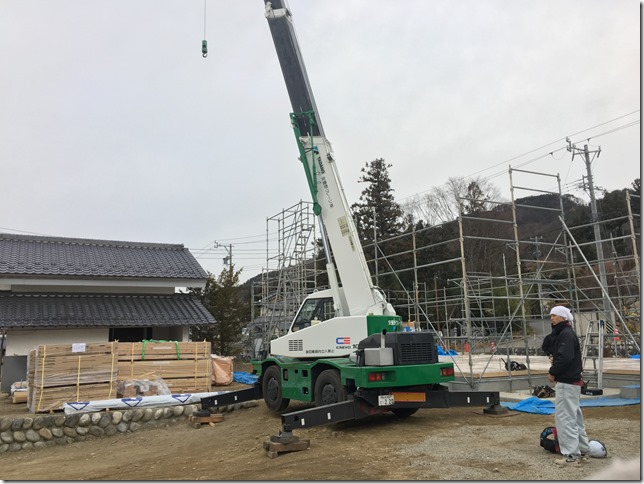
(551, 378)
(551, 358)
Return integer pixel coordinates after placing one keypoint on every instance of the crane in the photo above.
(345, 349)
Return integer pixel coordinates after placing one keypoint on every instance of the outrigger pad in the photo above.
(495, 410)
(284, 438)
(273, 449)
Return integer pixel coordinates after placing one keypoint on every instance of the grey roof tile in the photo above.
(28, 255)
(25, 311)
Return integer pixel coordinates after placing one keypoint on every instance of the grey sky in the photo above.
(113, 126)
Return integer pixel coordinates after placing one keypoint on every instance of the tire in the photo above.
(272, 389)
(329, 389)
(404, 412)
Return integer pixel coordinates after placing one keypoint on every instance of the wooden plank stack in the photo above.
(184, 366)
(81, 372)
(211, 420)
(60, 373)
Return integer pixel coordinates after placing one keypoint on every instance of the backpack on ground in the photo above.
(543, 391)
(549, 441)
(512, 365)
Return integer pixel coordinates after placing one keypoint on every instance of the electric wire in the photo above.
(207, 252)
(551, 153)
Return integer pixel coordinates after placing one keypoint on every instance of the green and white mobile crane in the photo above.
(346, 350)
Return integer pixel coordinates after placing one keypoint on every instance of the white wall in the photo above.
(20, 342)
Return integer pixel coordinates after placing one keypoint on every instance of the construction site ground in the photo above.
(433, 444)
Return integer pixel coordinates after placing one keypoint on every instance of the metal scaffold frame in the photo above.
(550, 277)
(488, 313)
(289, 276)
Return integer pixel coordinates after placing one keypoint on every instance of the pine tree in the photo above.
(223, 298)
(377, 198)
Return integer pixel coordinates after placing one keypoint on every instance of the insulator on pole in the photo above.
(204, 48)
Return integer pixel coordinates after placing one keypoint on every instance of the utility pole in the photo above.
(229, 249)
(595, 218)
(537, 255)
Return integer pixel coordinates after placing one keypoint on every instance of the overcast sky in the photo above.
(113, 126)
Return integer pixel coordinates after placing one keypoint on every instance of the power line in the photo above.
(504, 171)
(27, 232)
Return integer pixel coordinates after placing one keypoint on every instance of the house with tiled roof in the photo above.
(64, 290)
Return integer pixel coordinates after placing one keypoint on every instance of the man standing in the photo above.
(566, 372)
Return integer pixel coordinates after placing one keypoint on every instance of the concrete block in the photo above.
(630, 391)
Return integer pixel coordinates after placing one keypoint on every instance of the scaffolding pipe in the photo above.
(633, 238)
(603, 289)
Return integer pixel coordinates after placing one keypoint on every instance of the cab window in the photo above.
(313, 310)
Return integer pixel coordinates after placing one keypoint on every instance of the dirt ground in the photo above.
(433, 444)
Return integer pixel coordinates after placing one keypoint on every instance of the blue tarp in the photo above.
(441, 351)
(244, 377)
(546, 407)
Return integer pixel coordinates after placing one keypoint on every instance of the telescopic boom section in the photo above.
(317, 157)
(293, 70)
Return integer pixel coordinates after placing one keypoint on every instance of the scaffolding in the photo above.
(289, 276)
(503, 275)
(536, 275)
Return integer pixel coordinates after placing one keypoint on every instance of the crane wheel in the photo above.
(272, 389)
(329, 389)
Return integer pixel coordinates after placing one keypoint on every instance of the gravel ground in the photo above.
(433, 444)
(508, 455)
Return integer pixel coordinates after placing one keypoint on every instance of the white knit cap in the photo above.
(562, 311)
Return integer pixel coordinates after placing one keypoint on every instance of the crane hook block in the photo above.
(204, 48)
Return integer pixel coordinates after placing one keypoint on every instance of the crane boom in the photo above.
(292, 64)
(358, 296)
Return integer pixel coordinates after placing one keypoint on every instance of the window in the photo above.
(317, 310)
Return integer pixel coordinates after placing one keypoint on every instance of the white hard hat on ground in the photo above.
(597, 449)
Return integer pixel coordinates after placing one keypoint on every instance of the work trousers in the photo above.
(571, 431)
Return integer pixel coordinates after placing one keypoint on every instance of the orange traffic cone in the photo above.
(467, 347)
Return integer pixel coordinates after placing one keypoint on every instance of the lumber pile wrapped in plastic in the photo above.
(60, 373)
(184, 366)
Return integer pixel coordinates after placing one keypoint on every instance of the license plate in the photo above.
(385, 400)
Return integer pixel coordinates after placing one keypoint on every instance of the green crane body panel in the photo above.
(298, 376)
(376, 323)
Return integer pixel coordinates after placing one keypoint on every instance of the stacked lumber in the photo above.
(61, 373)
(184, 366)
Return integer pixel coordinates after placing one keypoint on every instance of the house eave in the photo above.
(24, 282)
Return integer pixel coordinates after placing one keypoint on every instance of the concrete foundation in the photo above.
(630, 391)
(487, 373)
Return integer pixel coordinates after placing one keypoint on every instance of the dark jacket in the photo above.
(548, 344)
(567, 365)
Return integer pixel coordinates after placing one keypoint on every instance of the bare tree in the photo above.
(441, 203)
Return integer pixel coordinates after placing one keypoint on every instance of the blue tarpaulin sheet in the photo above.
(546, 407)
(441, 351)
(244, 377)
